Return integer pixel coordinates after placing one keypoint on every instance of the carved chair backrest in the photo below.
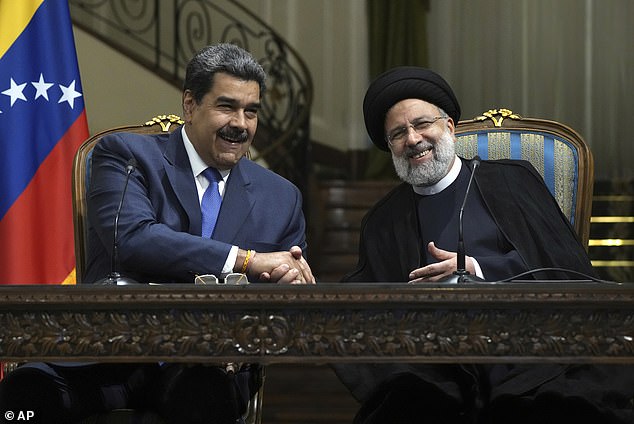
(557, 151)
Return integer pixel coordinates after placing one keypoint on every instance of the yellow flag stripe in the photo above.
(71, 278)
(14, 17)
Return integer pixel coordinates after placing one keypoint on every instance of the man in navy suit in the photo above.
(159, 234)
(260, 231)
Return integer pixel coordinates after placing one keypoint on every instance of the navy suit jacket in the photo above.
(160, 221)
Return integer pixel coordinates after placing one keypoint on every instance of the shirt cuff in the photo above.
(478, 270)
(230, 262)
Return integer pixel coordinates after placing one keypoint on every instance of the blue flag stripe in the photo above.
(32, 127)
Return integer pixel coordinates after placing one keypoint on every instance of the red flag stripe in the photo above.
(46, 201)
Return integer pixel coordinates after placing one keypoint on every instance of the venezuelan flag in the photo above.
(42, 123)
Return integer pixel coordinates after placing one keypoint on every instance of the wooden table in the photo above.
(326, 323)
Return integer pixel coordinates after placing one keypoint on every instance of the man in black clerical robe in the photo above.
(512, 192)
(512, 225)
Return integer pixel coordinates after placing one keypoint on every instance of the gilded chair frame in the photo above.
(502, 134)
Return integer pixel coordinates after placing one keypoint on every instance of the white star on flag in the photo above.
(15, 92)
(42, 87)
(69, 94)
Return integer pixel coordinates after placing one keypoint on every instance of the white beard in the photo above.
(430, 172)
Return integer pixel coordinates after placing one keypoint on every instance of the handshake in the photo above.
(275, 267)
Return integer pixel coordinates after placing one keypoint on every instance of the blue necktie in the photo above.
(210, 205)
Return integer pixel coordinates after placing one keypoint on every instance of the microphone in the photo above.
(461, 275)
(115, 278)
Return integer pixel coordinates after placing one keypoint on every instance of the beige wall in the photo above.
(331, 37)
(117, 91)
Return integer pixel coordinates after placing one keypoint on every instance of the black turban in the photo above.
(405, 82)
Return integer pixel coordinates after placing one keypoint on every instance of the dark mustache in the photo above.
(234, 134)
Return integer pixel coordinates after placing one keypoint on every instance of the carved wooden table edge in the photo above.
(515, 322)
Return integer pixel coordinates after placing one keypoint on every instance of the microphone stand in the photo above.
(114, 277)
(461, 275)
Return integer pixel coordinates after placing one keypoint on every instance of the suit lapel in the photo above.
(179, 174)
(237, 202)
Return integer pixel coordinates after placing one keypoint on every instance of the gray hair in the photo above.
(224, 57)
